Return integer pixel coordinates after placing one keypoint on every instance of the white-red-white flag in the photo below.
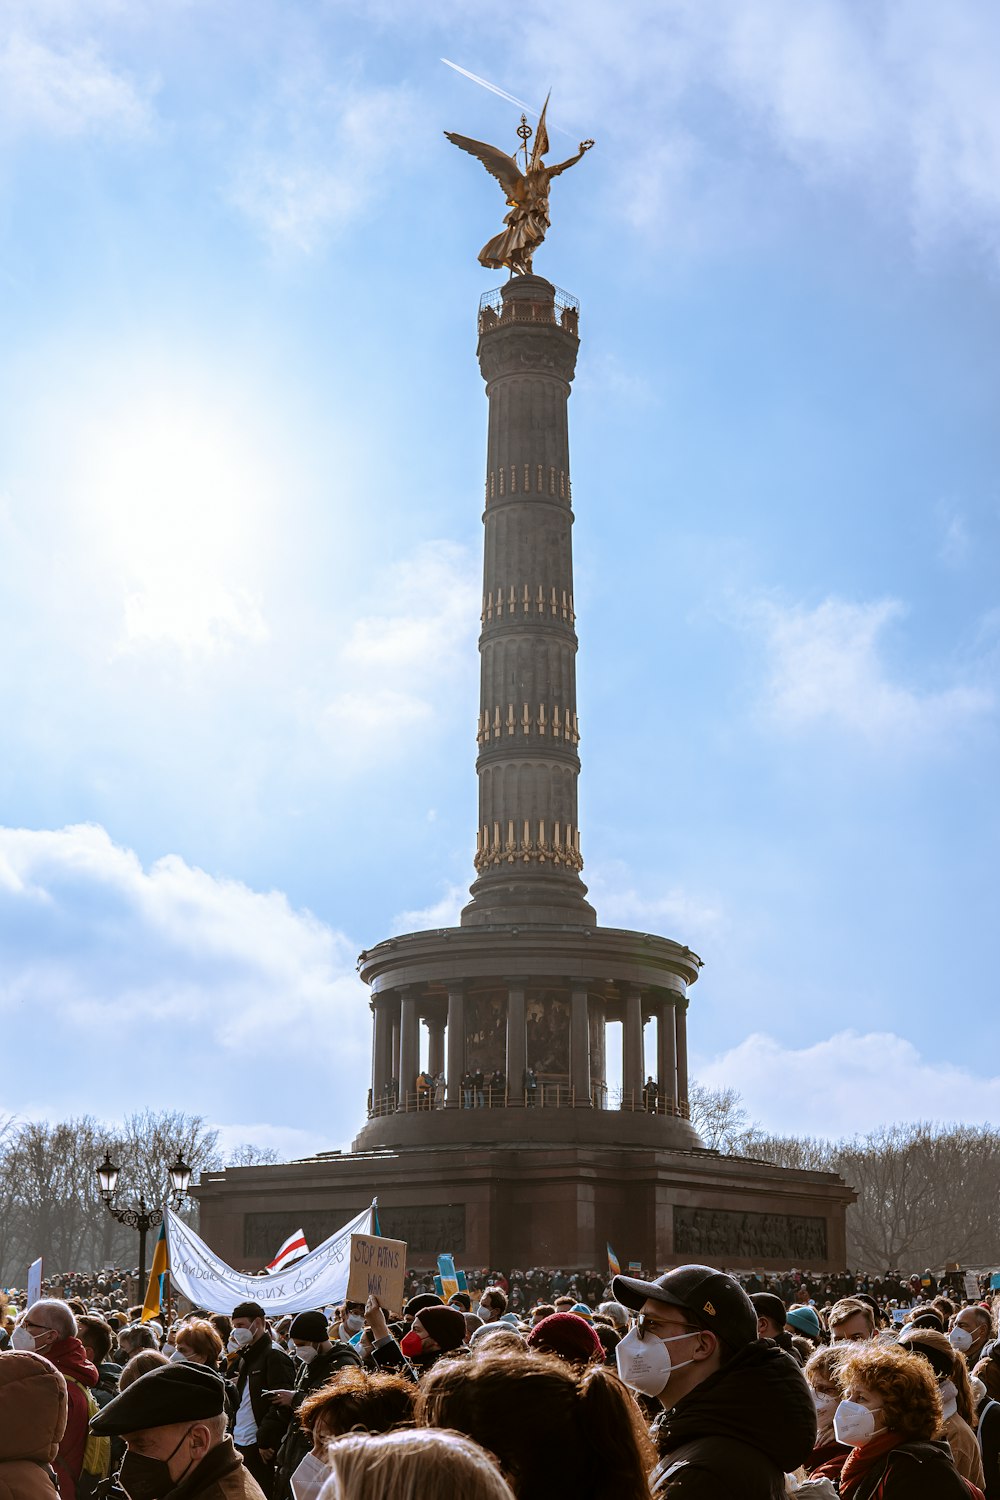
(294, 1247)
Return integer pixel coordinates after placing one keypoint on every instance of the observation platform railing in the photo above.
(547, 1094)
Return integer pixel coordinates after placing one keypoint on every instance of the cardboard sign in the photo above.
(379, 1266)
(995, 1281)
(34, 1281)
(971, 1286)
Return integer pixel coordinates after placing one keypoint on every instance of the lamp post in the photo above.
(140, 1218)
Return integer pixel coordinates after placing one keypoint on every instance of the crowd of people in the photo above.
(692, 1385)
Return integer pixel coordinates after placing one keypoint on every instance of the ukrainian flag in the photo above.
(157, 1275)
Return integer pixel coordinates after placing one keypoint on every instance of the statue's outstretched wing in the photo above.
(497, 162)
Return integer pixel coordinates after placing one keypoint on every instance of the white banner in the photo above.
(317, 1280)
(34, 1281)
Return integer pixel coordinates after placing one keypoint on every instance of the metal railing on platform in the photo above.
(563, 311)
(545, 1094)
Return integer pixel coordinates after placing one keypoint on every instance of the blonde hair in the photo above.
(408, 1465)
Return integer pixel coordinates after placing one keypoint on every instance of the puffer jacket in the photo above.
(735, 1436)
(33, 1405)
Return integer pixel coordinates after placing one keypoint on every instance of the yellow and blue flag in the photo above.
(614, 1264)
(157, 1274)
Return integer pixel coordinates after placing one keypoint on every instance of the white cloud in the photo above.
(65, 92)
(956, 541)
(849, 1082)
(667, 909)
(401, 665)
(101, 945)
(442, 913)
(897, 101)
(321, 158)
(287, 1141)
(825, 669)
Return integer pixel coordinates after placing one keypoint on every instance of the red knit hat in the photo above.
(569, 1336)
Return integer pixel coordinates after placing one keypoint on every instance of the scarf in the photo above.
(864, 1458)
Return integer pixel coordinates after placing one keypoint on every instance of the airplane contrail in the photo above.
(495, 89)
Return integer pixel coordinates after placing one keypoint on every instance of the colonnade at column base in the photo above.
(516, 1049)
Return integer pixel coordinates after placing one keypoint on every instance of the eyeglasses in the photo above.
(656, 1328)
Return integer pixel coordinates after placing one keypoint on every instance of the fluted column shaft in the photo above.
(528, 854)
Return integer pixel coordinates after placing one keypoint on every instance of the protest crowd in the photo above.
(541, 1384)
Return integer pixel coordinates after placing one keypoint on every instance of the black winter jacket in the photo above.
(915, 1471)
(264, 1367)
(310, 1377)
(735, 1436)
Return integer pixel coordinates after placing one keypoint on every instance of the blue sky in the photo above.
(241, 453)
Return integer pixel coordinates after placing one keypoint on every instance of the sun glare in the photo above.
(179, 514)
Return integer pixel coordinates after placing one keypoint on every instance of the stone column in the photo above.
(680, 1011)
(435, 1048)
(666, 1056)
(517, 1059)
(579, 1046)
(394, 1043)
(409, 1046)
(381, 1047)
(456, 1044)
(632, 1058)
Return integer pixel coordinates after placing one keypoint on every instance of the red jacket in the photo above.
(70, 1358)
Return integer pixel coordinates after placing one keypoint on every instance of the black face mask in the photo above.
(149, 1478)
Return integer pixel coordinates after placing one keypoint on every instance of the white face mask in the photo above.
(21, 1339)
(645, 1364)
(961, 1339)
(949, 1399)
(486, 1313)
(354, 1322)
(854, 1424)
(239, 1338)
(306, 1352)
(177, 1356)
(309, 1478)
(825, 1408)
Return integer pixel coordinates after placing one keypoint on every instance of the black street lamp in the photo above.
(140, 1218)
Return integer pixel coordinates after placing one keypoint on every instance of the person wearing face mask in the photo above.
(49, 1328)
(492, 1304)
(260, 1422)
(737, 1412)
(436, 1330)
(822, 1374)
(174, 1425)
(957, 1405)
(971, 1330)
(309, 1340)
(890, 1415)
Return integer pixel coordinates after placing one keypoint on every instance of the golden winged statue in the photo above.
(527, 194)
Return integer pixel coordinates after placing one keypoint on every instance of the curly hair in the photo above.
(905, 1385)
(353, 1400)
(827, 1364)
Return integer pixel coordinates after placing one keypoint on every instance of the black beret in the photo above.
(311, 1326)
(171, 1393)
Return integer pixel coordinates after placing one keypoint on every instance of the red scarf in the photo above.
(863, 1459)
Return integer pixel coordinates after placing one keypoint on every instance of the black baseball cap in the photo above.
(714, 1300)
